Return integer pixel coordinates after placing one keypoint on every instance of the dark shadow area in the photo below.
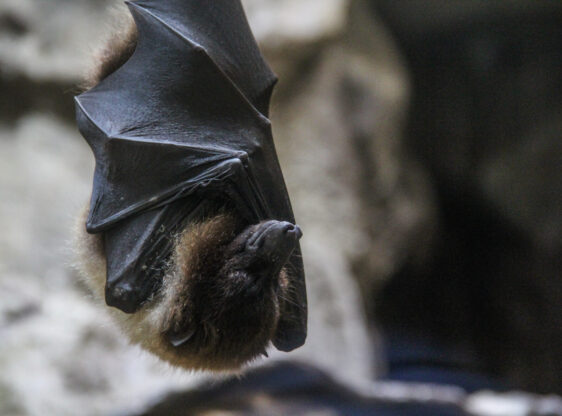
(485, 122)
(289, 389)
(22, 95)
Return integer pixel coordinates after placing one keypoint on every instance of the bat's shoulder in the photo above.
(117, 50)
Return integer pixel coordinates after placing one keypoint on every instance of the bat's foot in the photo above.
(123, 296)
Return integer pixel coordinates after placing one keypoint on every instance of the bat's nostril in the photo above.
(288, 227)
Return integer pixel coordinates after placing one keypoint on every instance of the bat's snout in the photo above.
(275, 241)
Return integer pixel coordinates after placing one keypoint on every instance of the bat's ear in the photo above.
(291, 328)
(178, 338)
(287, 337)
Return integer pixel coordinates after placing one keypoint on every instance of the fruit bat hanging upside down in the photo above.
(190, 233)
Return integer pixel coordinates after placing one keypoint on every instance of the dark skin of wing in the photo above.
(179, 129)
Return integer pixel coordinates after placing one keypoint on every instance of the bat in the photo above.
(185, 157)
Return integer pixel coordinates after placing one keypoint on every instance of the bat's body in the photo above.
(177, 121)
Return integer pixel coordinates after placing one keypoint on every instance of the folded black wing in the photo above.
(186, 115)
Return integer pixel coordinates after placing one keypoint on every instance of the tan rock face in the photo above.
(49, 40)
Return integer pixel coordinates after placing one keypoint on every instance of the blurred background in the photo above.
(420, 143)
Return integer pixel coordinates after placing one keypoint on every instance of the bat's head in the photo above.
(222, 304)
(223, 296)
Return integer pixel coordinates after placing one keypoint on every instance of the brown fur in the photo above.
(115, 52)
(198, 292)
